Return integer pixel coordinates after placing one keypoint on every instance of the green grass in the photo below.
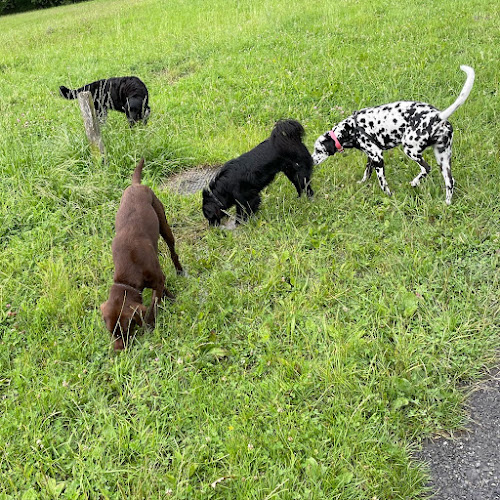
(309, 351)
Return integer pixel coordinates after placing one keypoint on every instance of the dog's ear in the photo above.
(109, 316)
(211, 209)
(348, 128)
(139, 313)
(104, 312)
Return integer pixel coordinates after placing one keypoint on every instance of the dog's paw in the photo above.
(182, 273)
(414, 183)
(231, 225)
(168, 295)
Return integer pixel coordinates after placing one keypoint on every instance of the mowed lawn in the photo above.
(309, 352)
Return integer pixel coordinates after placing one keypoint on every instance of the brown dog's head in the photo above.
(121, 313)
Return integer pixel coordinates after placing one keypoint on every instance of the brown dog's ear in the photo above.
(104, 313)
(139, 313)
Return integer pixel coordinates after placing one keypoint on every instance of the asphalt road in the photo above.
(467, 467)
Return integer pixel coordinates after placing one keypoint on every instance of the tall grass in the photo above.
(307, 352)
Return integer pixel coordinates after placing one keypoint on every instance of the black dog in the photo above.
(415, 125)
(126, 94)
(240, 180)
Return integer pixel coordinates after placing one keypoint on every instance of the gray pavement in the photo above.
(467, 467)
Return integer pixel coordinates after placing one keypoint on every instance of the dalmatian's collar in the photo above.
(339, 147)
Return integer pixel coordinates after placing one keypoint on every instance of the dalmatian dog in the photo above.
(414, 125)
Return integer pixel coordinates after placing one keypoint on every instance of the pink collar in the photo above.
(339, 147)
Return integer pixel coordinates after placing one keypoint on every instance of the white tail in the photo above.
(444, 115)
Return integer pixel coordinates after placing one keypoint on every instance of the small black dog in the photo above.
(126, 94)
(240, 180)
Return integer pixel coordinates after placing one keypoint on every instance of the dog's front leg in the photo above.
(379, 168)
(246, 208)
(293, 177)
(150, 318)
(296, 175)
(156, 297)
(241, 213)
(368, 171)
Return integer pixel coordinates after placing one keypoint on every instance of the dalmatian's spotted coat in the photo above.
(414, 125)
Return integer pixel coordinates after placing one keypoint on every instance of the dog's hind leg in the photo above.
(166, 233)
(442, 151)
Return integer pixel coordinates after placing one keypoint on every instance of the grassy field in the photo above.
(309, 351)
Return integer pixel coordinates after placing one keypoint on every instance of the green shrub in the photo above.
(12, 6)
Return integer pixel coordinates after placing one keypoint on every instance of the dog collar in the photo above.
(215, 198)
(339, 147)
(128, 287)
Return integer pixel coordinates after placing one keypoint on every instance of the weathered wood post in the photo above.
(91, 124)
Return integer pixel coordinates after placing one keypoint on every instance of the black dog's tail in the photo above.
(68, 93)
(136, 177)
(286, 133)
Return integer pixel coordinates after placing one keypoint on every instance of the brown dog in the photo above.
(139, 222)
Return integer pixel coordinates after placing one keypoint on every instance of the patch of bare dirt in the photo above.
(191, 181)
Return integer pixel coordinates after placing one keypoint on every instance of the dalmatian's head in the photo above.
(327, 145)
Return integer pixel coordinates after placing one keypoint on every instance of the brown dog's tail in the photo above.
(136, 178)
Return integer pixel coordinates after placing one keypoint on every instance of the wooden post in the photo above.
(91, 124)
